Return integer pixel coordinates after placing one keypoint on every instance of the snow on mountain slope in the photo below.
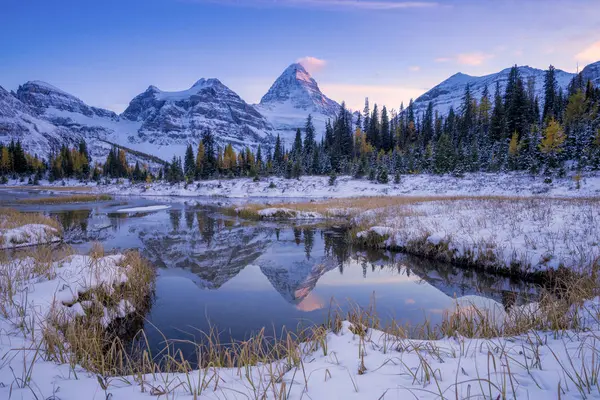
(56, 118)
(18, 121)
(289, 101)
(158, 123)
(450, 92)
(179, 118)
(41, 95)
(592, 72)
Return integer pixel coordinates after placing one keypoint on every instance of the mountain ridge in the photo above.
(162, 123)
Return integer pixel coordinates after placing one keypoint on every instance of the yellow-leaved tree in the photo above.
(552, 142)
(554, 137)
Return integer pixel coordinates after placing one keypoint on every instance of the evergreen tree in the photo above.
(189, 163)
(297, 146)
(309, 146)
(497, 120)
(366, 116)
(386, 140)
(550, 92)
(210, 165)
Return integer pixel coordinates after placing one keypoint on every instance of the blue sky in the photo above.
(106, 52)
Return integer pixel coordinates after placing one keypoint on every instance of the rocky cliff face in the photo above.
(42, 96)
(180, 117)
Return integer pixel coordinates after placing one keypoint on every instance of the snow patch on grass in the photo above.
(28, 235)
(286, 213)
(528, 234)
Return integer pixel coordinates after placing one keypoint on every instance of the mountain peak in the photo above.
(203, 82)
(296, 89)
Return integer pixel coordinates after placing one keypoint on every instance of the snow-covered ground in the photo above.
(28, 235)
(533, 234)
(476, 184)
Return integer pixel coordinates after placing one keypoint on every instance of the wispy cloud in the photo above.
(472, 59)
(312, 64)
(590, 53)
(337, 4)
(414, 68)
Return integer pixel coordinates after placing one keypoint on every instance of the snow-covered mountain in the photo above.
(179, 118)
(289, 101)
(450, 92)
(157, 123)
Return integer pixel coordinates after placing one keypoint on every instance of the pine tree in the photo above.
(497, 121)
(309, 145)
(550, 86)
(83, 151)
(297, 146)
(373, 129)
(386, 142)
(366, 116)
(278, 156)
(189, 163)
(210, 155)
(444, 155)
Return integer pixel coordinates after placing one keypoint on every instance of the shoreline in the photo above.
(317, 187)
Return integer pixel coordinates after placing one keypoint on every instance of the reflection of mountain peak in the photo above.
(214, 253)
(295, 281)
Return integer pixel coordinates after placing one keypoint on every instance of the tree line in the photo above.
(502, 130)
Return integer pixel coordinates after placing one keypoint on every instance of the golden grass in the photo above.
(76, 198)
(360, 204)
(86, 341)
(11, 218)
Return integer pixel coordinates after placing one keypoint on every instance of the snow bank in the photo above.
(28, 235)
(532, 234)
(59, 286)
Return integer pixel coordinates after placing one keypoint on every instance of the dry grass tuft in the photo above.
(11, 218)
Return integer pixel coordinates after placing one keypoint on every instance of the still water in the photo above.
(238, 277)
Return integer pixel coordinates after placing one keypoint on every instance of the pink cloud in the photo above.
(473, 59)
(312, 64)
(590, 53)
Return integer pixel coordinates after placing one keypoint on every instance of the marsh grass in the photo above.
(75, 198)
(12, 219)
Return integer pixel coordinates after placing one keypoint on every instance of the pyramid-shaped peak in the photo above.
(296, 87)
